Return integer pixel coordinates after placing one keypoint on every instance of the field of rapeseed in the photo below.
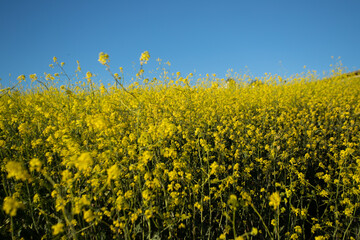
(171, 159)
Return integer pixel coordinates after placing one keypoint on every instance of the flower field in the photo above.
(169, 158)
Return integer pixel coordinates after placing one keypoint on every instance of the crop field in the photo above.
(176, 158)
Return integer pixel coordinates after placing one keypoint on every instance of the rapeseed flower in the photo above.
(11, 205)
(35, 165)
(88, 215)
(80, 203)
(15, 169)
(21, 78)
(88, 76)
(33, 77)
(113, 172)
(84, 161)
(254, 231)
(144, 58)
(78, 69)
(103, 58)
(58, 228)
(233, 201)
(275, 200)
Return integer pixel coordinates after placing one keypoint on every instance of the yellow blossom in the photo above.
(36, 198)
(33, 77)
(35, 164)
(15, 169)
(298, 229)
(57, 228)
(113, 172)
(80, 203)
(103, 58)
(275, 200)
(148, 213)
(233, 202)
(84, 162)
(89, 76)
(78, 66)
(21, 78)
(11, 205)
(144, 58)
(254, 231)
(88, 215)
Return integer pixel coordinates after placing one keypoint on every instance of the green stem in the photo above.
(31, 209)
(233, 223)
(12, 228)
(262, 220)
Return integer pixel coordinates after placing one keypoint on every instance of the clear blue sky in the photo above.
(278, 36)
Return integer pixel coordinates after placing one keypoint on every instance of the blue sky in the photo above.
(255, 37)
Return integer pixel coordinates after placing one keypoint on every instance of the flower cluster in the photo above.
(178, 159)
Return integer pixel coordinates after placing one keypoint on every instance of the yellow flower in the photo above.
(141, 72)
(275, 200)
(33, 77)
(99, 123)
(57, 228)
(273, 222)
(103, 58)
(88, 215)
(80, 203)
(324, 193)
(315, 227)
(233, 202)
(145, 56)
(49, 77)
(182, 225)
(16, 170)
(88, 76)
(197, 205)
(78, 66)
(129, 194)
(254, 231)
(66, 176)
(134, 217)
(214, 168)
(11, 205)
(298, 229)
(294, 236)
(146, 194)
(148, 213)
(113, 172)
(60, 203)
(84, 161)
(21, 78)
(35, 164)
(55, 59)
(36, 198)
(222, 236)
